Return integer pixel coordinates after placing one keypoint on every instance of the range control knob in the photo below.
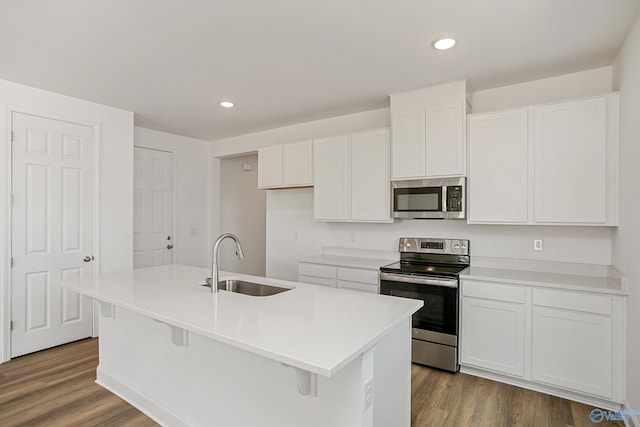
(408, 244)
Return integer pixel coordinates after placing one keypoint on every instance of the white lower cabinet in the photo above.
(494, 335)
(572, 350)
(564, 342)
(356, 279)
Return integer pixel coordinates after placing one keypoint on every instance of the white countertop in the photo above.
(607, 284)
(348, 261)
(314, 328)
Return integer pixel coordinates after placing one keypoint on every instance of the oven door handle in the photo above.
(419, 280)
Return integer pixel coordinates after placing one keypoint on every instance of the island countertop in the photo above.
(313, 328)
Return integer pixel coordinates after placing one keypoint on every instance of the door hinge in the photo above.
(11, 262)
(11, 136)
(11, 325)
(12, 200)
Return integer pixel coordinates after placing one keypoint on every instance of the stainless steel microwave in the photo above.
(442, 198)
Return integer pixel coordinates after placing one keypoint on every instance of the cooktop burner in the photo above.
(452, 270)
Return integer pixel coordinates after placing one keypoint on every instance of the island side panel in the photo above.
(209, 382)
(392, 378)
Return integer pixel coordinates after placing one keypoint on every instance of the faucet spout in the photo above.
(214, 258)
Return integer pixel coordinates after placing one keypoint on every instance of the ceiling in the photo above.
(290, 61)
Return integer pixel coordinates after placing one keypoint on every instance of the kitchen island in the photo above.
(309, 356)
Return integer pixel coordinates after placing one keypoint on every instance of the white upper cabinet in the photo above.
(370, 180)
(444, 137)
(428, 132)
(270, 167)
(498, 167)
(352, 177)
(331, 176)
(286, 165)
(570, 162)
(409, 160)
(551, 164)
(298, 164)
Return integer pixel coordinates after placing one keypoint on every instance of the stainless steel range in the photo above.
(429, 270)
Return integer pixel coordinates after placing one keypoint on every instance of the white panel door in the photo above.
(498, 172)
(270, 166)
(572, 350)
(370, 180)
(331, 179)
(571, 162)
(444, 137)
(408, 144)
(297, 162)
(152, 208)
(493, 335)
(52, 231)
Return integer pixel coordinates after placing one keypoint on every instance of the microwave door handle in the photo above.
(445, 199)
(420, 280)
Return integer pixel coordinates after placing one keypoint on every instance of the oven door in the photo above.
(440, 296)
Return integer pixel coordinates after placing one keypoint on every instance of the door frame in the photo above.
(5, 285)
(174, 184)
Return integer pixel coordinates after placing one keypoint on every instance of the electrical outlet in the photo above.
(296, 235)
(537, 244)
(352, 237)
(368, 393)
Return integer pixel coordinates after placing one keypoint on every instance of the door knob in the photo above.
(169, 246)
(87, 259)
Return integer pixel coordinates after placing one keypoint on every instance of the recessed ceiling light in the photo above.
(444, 43)
(227, 104)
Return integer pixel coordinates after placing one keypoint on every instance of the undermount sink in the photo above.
(247, 288)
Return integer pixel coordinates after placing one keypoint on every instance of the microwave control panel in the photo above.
(454, 198)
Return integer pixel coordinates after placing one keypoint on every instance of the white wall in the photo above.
(192, 189)
(627, 235)
(116, 175)
(568, 86)
(242, 212)
(289, 211)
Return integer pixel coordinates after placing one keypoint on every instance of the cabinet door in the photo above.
(572, 350)
(370, 182)
(571, 162)
(331, 179)
(298, 164)
(444, 137)
(498, 172)
(408, 146)
(358, 286)
(492, 335)
(270, 166)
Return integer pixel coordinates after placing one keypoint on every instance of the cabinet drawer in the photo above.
(358, 286)
(358, 275)
(322, 281)
(600, 304)
(317, 270)
(493, 291)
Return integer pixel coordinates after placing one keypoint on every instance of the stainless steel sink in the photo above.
(247, 288)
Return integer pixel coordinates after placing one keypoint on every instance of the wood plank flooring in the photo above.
(56, 387)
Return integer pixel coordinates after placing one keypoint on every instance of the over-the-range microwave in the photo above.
(441, 198)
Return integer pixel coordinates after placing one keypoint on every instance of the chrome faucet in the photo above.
(214, 258)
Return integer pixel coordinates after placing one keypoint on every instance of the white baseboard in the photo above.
(154, 410)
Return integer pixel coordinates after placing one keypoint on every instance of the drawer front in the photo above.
(312, 280)
(317, 270)
(357, 286)
(576, 301)
(358, 275)
(493, 291)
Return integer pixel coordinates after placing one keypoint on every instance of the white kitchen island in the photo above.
(305, 357)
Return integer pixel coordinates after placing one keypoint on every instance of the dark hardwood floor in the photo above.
(56, 387)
